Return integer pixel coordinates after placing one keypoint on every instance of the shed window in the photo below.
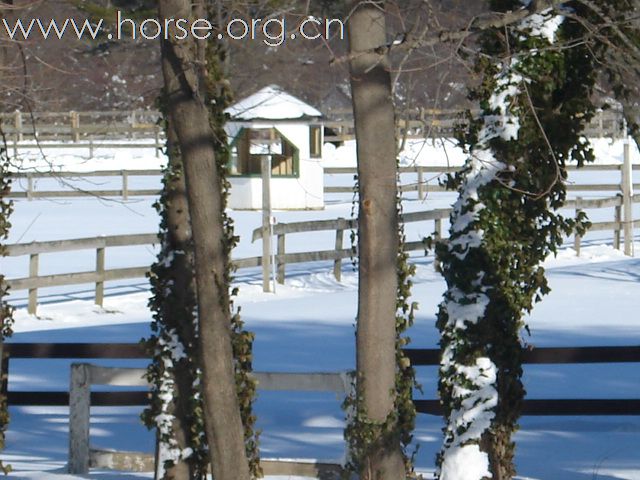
(315, 141)
(252, 144)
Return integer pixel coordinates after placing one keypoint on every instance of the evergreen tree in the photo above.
(535, 101)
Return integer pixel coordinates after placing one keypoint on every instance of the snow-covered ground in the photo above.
(308, 325)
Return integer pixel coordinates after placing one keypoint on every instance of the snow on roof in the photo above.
(271, 103)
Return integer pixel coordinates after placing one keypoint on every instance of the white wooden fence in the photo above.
(83, 375)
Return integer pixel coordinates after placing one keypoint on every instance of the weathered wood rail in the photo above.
(434, 123)
(30, 192)
(552, 356)
(75, 126)
(418, 358)
(80, 398)
(25, 183)
(621, 226)
(83, 375)
(99, 276)
(339, 252)
(424, 187)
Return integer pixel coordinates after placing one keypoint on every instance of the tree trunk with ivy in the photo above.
(376, 448)
(535, 102)
(174, 373)
(192, 88)
(6, 312)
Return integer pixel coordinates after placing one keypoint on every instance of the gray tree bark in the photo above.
(180, 239)
(378, 238)
(184, 78)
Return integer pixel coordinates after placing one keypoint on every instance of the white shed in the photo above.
(273, 123)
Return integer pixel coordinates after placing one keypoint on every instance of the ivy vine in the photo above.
(6, 311)
(535, 101)
(173, 344)
(362, 434)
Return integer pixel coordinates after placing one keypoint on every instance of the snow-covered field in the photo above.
(308, 326)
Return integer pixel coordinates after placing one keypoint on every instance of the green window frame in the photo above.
(246, 154)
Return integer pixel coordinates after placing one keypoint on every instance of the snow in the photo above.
(308, 326)
(296, 331)
(271, 103)
(543, 24)
(473, 386)
(466, 462)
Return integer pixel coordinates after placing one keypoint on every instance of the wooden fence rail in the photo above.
(66, 178)
(554, 356)
(83, 375)
(99, 125)
(621, 227)
(435, 123)
(340, 225)
(80, 398)
(422, 186)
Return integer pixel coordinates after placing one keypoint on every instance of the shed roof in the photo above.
(272, 103)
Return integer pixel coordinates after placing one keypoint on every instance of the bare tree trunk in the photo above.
(185, 82)
(378, 239)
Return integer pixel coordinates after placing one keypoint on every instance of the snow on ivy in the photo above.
(544, 25)
(170, 350)
(473, 391)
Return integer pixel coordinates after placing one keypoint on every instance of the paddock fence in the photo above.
(622, 227)
(438, 123)
(22, 129)
(82, 457)
(80, 398)
(424, 187)
(26, 184)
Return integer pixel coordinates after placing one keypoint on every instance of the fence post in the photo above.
(337, 263)
(17, 123)
(79, 411)
(601, 123)
(133, 122)
(125, 185)
(158, 144)
(617, 218)
(437, 235)
(29, 186)
(627, 200)
(281, 264)
(421, 195)
(266, 222)
(5, 371)
(100, 271)
(349, 382)
(33, 292)
(577, 239)
(75, 125)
